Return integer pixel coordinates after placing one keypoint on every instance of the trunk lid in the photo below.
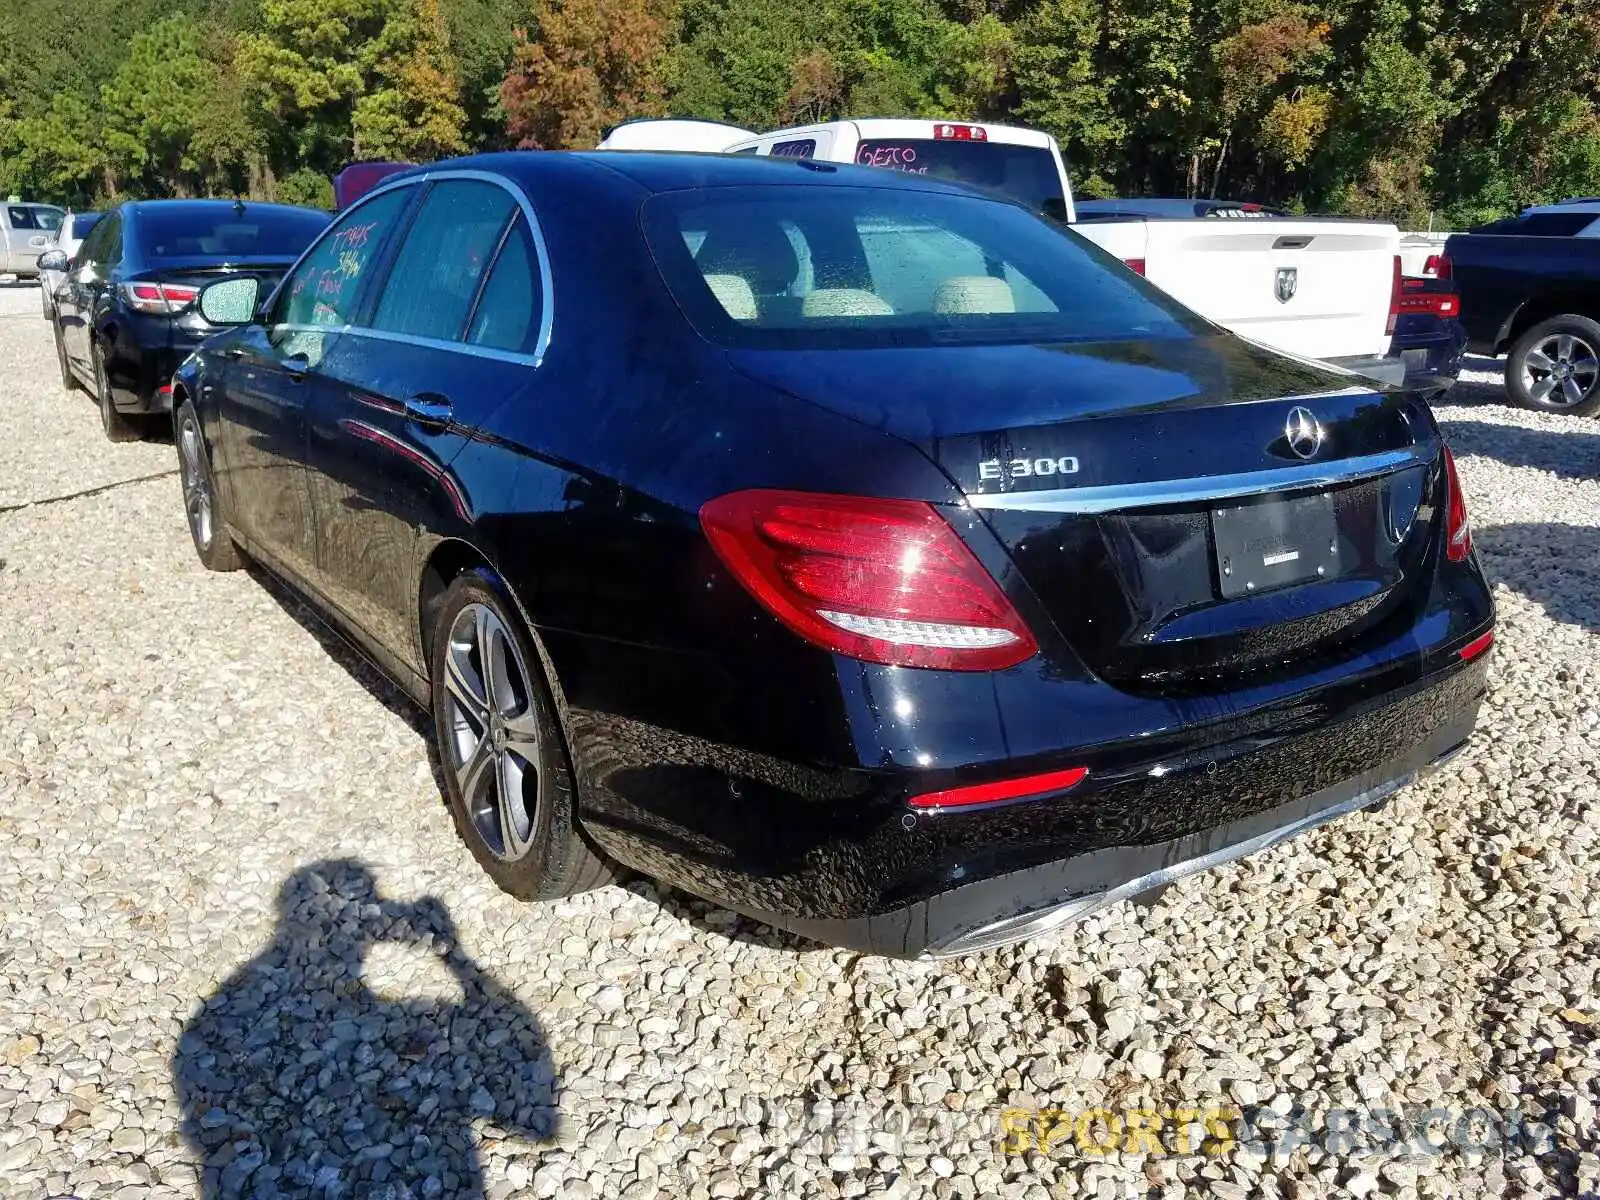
(1188, 512)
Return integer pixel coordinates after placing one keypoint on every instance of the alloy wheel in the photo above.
(196, 487)
(493, 745)
(1561, 371)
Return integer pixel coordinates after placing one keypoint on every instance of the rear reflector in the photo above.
(1136, 265)
(887, 581)
(1437, 266)
(1476, 646)
(960, 133)
(1010, 789)
(1459, 526)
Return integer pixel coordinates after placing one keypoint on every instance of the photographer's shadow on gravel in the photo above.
(298, 1079)
(1569, 455)
(1556, 566)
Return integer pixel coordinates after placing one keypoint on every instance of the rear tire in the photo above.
(1555, 367)
(201, 505)
(118, 428)
(502, 753)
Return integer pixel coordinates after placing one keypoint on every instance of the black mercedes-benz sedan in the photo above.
(123, 305)
(865, 555)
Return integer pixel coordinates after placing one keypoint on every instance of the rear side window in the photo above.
(1026, 174)
(840, 267)
(799, 148)
(227, 231)
(508, 311)
(436, 274)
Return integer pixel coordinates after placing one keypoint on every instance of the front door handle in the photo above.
(295, 366)
(430, 410)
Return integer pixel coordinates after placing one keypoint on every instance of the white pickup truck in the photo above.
(1314, 288)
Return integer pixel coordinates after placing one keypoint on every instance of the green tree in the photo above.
(414, 113)
(152, 107)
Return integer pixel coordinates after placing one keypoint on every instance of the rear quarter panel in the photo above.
(1508, 282)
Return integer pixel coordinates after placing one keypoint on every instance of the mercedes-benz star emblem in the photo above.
(1303, 433)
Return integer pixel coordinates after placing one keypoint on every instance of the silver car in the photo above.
(25, 233)
(74, 228)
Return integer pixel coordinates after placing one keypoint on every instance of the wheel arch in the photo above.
(447, 561)
(1575, 301)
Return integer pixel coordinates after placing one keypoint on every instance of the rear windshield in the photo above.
(30, 216)
(816, 267)
(1026, 174)
(228, 233)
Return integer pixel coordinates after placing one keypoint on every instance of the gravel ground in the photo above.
(235, 904)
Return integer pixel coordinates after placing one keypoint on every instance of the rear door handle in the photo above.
(430, 410)
(295, 367)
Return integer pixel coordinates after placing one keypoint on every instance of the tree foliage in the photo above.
(594, 62)
(1412, 109)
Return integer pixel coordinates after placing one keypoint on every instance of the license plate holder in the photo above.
(1274, 542)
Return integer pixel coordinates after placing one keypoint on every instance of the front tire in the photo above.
(118, 428)
(1555, 367)
(507, 776)
(209, 532)
(67, 381)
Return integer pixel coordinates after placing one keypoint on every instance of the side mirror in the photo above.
(53, 260)
(230, 301)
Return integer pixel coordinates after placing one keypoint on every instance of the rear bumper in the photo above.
(1432, 350)
(839, 856)
(1030, 903)
(1387, 368)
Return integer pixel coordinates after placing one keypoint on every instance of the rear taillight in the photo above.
(1458, 542)
(1136, 265)
(161, 298)
(1437, 266)
(1433, 303)
(888, 581)
(1395, 289)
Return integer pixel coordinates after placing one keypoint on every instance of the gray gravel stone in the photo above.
(179, 753)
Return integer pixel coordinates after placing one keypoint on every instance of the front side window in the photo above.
(324, 288)
(839, 267)
(435, 277)
(33, 218)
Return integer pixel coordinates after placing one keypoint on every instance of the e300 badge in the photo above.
(1026, 468)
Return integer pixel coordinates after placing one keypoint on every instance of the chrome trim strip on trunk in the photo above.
(1115, 497)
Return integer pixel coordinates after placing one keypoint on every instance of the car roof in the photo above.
(668, 171)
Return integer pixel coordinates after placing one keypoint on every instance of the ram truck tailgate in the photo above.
(1314, 288)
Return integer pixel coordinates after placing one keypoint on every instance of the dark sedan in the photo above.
(124, 312)
(849, 549)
